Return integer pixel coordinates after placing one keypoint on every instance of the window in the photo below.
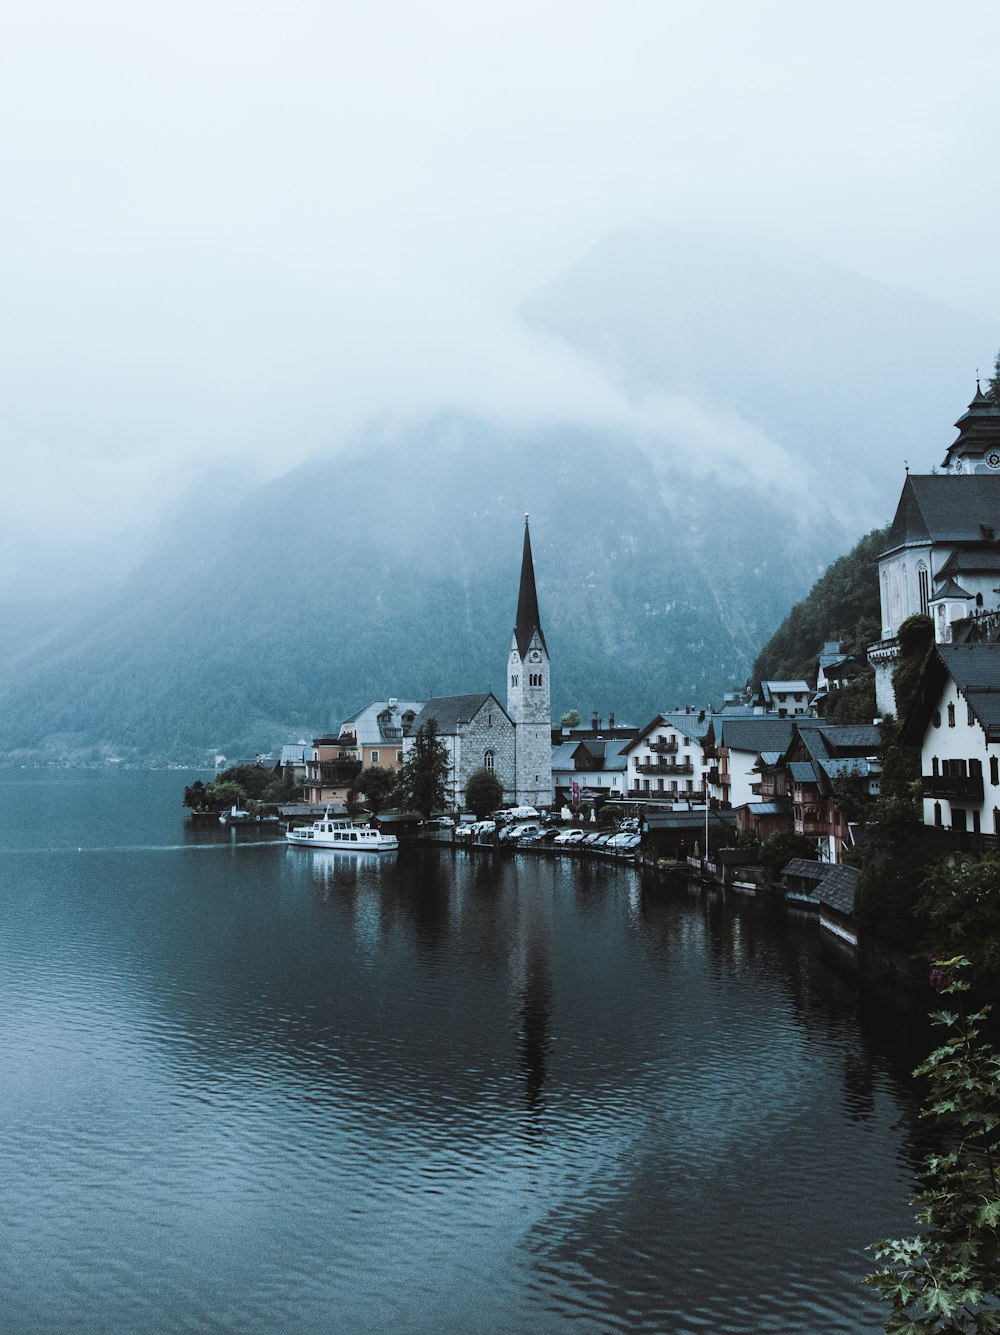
(971, 720)
(951, 716)
(935, 770)
(958, 818)
(922, 587)
(374, 757)
(937, 814)
(975, 821)
(513, 679)
(936, 718)
(489, 759)
(994, 771)
(975, 769)
(399, 757)
(979, 600)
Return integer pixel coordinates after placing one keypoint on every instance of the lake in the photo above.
(252, 1088)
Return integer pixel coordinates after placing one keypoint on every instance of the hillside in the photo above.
(843, 604)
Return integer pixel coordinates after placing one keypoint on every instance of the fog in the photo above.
(234, 234)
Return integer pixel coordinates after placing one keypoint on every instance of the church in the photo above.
(942, 552)
(515, 742)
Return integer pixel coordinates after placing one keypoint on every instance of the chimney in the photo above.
(393, 703)
(701, 716)
(595, 721)
(611, 720)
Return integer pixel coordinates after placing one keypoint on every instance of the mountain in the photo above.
(768, 403)
(393, 570)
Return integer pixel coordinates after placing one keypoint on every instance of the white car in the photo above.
(619, 840)
(570, 837)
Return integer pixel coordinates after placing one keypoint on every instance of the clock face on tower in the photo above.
(993, 459)
(535, 656)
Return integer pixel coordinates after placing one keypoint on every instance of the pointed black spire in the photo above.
(528, 620)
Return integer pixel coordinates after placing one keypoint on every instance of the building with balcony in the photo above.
(955, 720)
(672, 758)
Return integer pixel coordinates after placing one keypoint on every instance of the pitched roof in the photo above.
(371, 726)
(451, 710)
(804, 868)
(983, 558)
(975, 670)
(528, 620)
(941, 508)
(688, 820)
(951, 590)
(836, 889)
(756, 734)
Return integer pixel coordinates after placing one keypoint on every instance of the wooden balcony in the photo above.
(954, 788)
(663, 748)
(665, 767)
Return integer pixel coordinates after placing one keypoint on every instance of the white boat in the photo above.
(343, 834)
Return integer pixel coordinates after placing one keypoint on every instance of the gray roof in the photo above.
(981, 559)
(451, 710)
(836, 890)
(839, 767)
(785, 687)
(688, 820)
(835, 883)
(371, 731)
(976, 672)
(781, 806)
(756, 734)
(562, 755)
(803, 771)
(942, 508)
(951, 589)
(804, 868)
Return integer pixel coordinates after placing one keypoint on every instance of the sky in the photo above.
(233, 233)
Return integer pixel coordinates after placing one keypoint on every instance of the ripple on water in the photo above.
(258, 1093)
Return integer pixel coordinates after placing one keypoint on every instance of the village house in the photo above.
(955, 720)
(673, 759)
(740, 743)
(372, 736)
(784, 698)
(590, 770)
(819, 756)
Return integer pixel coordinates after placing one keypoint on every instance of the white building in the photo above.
(955, 720)
(942, 554)
(673, 759)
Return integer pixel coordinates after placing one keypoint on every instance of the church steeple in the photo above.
(528, 692)
(528, 620)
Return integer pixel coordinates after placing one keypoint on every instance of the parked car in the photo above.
(618, 840)
(600, 840)
(570, 836)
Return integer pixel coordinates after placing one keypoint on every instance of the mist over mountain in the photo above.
(767, 405)
(797, 369)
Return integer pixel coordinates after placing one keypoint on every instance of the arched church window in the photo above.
(489, 759)
(923, 587)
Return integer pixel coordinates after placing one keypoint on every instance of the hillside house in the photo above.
(955, 720)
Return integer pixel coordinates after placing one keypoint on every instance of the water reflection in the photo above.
(287, 1088)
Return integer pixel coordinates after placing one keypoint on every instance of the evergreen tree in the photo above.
(421, 782)
(993, 384)
(483, 792)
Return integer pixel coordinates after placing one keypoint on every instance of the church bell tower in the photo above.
(528, 693)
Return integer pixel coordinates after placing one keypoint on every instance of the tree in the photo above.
(994, 381)
(571, 719)
(421, 783)
(960, 903)
(483, 792)
(946, 1280)
(779, 849)
(378, 785)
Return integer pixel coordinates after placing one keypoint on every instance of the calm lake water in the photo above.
(248, 1088)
